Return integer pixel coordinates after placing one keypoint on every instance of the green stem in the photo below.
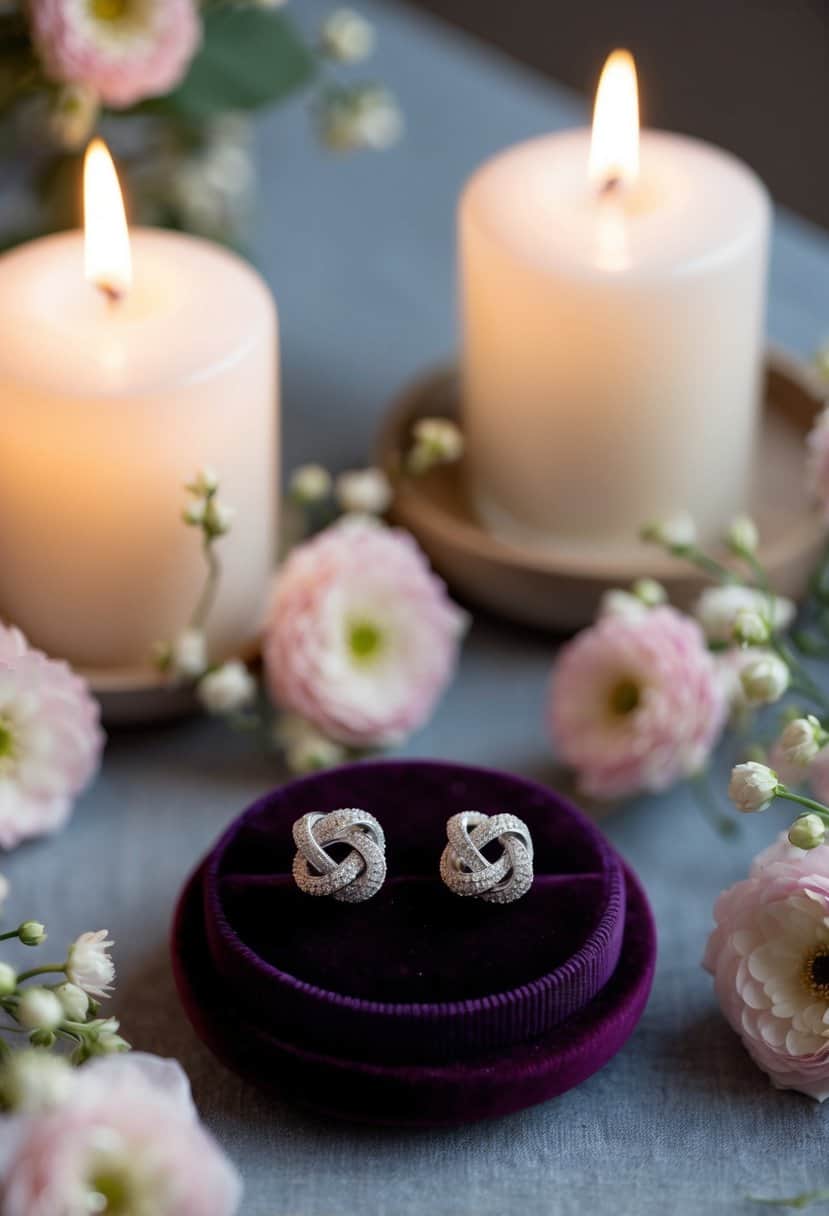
(211, 585)
(7, 937)
(796, 1201)
(705, 563)
(47, 969)
(709, 807)
(809, 803)
(802, 679)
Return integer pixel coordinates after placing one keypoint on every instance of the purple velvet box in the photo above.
(416, 1007)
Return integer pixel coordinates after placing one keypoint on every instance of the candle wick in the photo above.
(611, 186)
(114, 295)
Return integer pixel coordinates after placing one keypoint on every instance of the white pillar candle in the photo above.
(108, 408)
(612, 332)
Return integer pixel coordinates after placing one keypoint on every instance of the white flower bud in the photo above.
(752, 787)
(39, 1009)
(677, 532)
(35, 1081)
(800, 742)
(189, 654)
(751, 628)
(437, 441)
(74, 1000)
(310, 484)
(650, 592)
(229, 688)
(205, 482)
(765, 680)
(306, 749)
(364, 491)
(717, 609)
(193, 513)
(347, 36)
(622, 604)
(218, 517)
(8, 979)
(807, 832)
(32, 933)
(742, 536)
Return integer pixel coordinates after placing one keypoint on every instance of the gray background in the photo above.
(360, 255)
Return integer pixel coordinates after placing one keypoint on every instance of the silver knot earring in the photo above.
(466, 871)
(358, 875)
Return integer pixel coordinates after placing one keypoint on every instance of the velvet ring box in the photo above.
(414, 1007)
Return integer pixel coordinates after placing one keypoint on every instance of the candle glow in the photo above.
(614, 145)
(107, 253)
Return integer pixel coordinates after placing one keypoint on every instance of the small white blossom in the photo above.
(39, 1009)
(8, 979)
(229, 688)
(89, 964)
(752, 787)
(677, 532)
(367, 117)
(205, 482)
(306, 749)
(621, 603)
(437, 441)
(32, 933)
(807, 832)
(193, 513)
(34, 1081)
(801, 740)
(751, 628)
(765, 680)
(717, 609)
(188, 658)
(105, 1039)
(74, 1000)
(364, 491)
(742, 536)
(347, 36)
(218, 517)
(310, 484)
(650, 592)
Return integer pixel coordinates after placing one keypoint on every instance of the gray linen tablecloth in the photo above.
(360, 254)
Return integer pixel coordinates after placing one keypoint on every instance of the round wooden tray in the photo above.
(560, 588)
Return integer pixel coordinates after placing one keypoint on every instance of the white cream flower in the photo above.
(310, 484)
(718, 607)
(89, 964)
(35, 1081)
(189, 654)
(39, 1009)
(752, 787)
(678, 531)
(364, 491)
(229, 688)
(74, 1000)
(8, 979)
(437, 441)
(621, 603)
(751, 628)
(807, 832)
(800, 742)
(307, 749)
(742, 536)
(765, 679)
(347, 36)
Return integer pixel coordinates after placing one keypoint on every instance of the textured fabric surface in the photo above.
(360, 254)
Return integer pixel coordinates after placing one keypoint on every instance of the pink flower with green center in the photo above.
(122, 50)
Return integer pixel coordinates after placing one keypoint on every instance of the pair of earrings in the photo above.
(361, 872)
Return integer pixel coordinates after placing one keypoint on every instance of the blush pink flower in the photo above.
(125, 1137)
(362, 638)
(636, 703)
(122, 50)
(50, 740)
(769, 956)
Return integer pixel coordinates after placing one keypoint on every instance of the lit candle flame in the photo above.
(614, 147)
(108, 258)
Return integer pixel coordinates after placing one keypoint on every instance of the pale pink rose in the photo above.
(50, 740)
(361, 639)
(817, 467)
(126, 1133)
(769, 956)
(137, 50)
(636, 703)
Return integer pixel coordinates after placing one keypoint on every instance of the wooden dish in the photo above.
(559, 589)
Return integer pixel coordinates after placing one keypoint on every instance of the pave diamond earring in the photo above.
(466, 871)
(356, 876)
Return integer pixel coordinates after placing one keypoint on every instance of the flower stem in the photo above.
(709, 806)
(7, 937)
(705, 563)
(211, 585)
(805, 1200)
(809, 803)
(801, 677)
(47, 969)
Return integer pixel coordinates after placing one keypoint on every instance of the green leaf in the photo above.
(250, 58)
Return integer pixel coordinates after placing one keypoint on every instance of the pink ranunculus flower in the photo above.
(124, 1138)
(50, 740)
(123, 50)
(362, 638)
(636, 703)
(769, 956)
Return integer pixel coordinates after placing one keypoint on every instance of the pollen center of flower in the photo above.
(816, 973)
(624, 697)
(8, 745)
(111, 1192)
(365, 640)
(109, 10)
